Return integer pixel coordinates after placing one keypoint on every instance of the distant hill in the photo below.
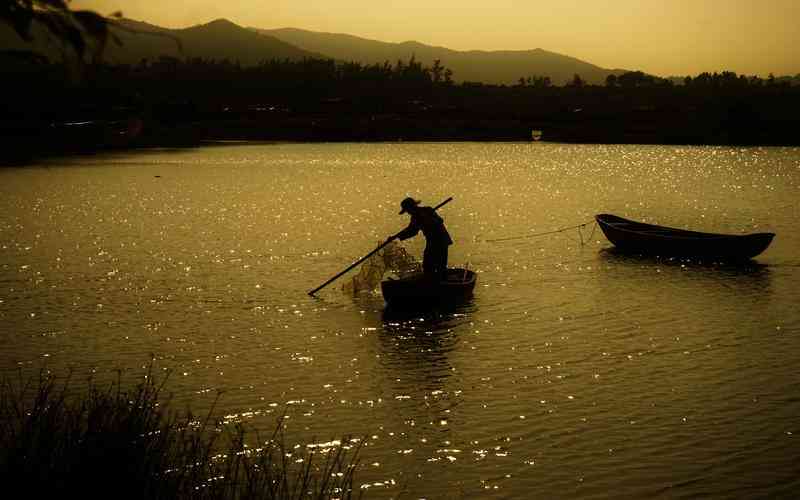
(500, 67)
(220, 39)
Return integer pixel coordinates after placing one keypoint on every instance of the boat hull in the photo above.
(421, 290)
(648, 239)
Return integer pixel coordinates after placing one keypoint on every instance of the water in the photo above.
(575, 372)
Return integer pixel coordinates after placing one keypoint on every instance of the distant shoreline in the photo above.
(24, 157)
(172, 102)
(45, 140)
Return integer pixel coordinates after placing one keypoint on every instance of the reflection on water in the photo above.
(747, 275)
(434, 316)
(419, 342)
(573, 371)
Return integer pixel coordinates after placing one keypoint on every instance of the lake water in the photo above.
(574, 372)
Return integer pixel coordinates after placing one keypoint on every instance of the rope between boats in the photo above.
(579, 227)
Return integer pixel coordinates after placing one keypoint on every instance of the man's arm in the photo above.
(409, 232)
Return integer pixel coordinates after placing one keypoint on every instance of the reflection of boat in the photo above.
(648, 239)
(418, 289)
(405, 318)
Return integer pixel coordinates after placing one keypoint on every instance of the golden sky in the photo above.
(662, 37)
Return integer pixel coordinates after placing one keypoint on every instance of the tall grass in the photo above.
(114, 443)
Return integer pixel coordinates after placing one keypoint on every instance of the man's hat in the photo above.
(407, 203)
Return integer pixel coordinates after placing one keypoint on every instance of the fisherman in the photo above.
(437, 239)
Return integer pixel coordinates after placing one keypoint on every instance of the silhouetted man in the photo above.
(437, 239)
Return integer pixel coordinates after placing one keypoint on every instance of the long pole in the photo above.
(362, 259)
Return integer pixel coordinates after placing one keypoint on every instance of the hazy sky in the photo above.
(663, 37)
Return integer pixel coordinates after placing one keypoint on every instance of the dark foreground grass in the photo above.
(115, 443)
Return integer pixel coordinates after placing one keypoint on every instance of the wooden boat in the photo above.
(649, 239)
(418, 289)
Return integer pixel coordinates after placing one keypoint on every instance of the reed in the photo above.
(114, 443)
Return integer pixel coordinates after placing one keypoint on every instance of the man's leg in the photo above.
(442, 262)
(429, 261)
(434, 263)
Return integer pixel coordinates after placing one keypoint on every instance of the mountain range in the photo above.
(222, 39)
(498, 66)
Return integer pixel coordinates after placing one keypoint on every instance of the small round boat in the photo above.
(419, 289)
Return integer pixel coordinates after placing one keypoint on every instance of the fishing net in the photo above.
(392, 258)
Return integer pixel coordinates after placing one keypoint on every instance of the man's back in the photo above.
(432, 226)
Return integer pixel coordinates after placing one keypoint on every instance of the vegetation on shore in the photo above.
(115, 443)
(172, 102)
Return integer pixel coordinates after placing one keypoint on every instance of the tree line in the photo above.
(639, 79)
(277, 72)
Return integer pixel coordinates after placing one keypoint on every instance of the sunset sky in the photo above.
(662, 37)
